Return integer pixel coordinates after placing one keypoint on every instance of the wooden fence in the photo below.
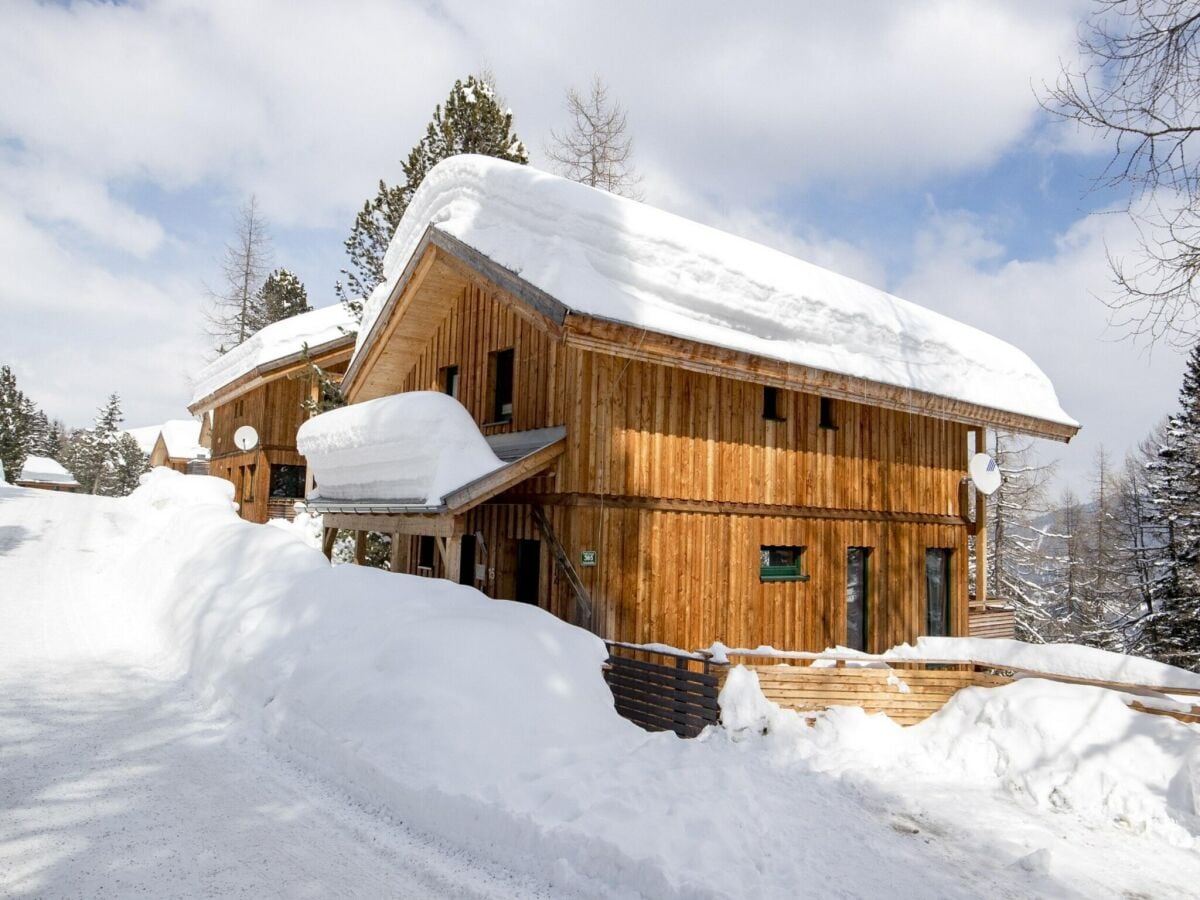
(992, 622)
(662, 690)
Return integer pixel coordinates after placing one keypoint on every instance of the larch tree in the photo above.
(472, 120)
(1138, 87)
(1018, 565)
(232, 314)
(595, 148)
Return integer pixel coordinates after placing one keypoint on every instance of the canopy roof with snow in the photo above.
(415, 452)
(44, 470)
(271, 351)
(582, 256)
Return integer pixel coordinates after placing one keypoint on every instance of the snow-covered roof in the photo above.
(413, 448)
(617, 259)
(182, 437)
(272, 344)
(44, 470)
(146, 436)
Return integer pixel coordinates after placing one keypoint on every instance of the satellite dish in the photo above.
(246, 437)
(985, 473)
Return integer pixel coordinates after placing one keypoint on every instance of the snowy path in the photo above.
(116, 781)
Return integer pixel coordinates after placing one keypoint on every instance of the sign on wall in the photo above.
(587, 558)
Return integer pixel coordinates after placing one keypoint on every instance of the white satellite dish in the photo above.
(985, 473)
(246, 437)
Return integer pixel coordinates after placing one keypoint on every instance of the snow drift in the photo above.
(414, 447)
(488, 724)
(607, 256)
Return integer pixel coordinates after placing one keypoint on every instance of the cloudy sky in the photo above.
(900, 143)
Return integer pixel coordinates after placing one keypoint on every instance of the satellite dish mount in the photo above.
(246, 438)
(985, 474)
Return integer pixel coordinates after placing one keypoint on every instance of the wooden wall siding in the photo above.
(275, 410)
(474, 327)
(229, 466)
(646, 432)
(641, 429)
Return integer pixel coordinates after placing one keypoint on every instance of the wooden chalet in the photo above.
(46, 474)
(265, 383)
(664, 480)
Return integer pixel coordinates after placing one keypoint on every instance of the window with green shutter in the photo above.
(781, 564)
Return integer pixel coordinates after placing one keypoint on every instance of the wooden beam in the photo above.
(502, 479)
(360, 547)
(583, 600)
(712, 507)
(981, 535)
(399, 557)
(396, 523)
(328, 536)
(453, 557)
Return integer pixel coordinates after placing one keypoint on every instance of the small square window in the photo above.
(827, 414)
(502, 385)
(450, 381)
(781, 564)
(772, 408)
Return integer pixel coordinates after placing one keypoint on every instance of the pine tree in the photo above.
(43, 439)
(129, 463)
(281, 296)
(471, 121)
(1175, 486)
(18, 418)
(99, 458)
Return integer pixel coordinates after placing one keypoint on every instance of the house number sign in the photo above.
(587, 558)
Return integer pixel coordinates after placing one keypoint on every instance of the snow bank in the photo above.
(276, 341)
(1072, 660)
(45, 470)
(1058, 747)
(416, 447)
(607, 256)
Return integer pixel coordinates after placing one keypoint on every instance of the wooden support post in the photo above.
(327, 540)
(453, 557)
(399, 560)
(981, 503)
(360, 547)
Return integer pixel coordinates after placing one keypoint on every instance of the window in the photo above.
(425, 550)
(827, 414)
(450, 381)
(857, 594)
(502, 385)
(782, 564)
(772, 408)
(287, 481)
(937, 592)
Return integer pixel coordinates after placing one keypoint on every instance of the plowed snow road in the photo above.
(116, 781)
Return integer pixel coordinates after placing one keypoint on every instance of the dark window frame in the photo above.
(865, 555)
(946, 555)
(450, 379)
(502, 367)
(772, 408)
(773, 568)
(825, 414)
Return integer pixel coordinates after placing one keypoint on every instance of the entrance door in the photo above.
(466, 561)
(856, 597)
(937, 592)
(529, 571)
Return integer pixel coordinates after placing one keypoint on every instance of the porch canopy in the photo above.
(415, 463)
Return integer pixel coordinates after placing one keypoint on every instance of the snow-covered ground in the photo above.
(190, 704)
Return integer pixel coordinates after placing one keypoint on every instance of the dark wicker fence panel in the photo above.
(662, 696)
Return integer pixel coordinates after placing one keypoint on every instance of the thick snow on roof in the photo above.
(182, 437)
(145, 436)
(416, 447)
(618, 259)
(276, 341)
(45, 470)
